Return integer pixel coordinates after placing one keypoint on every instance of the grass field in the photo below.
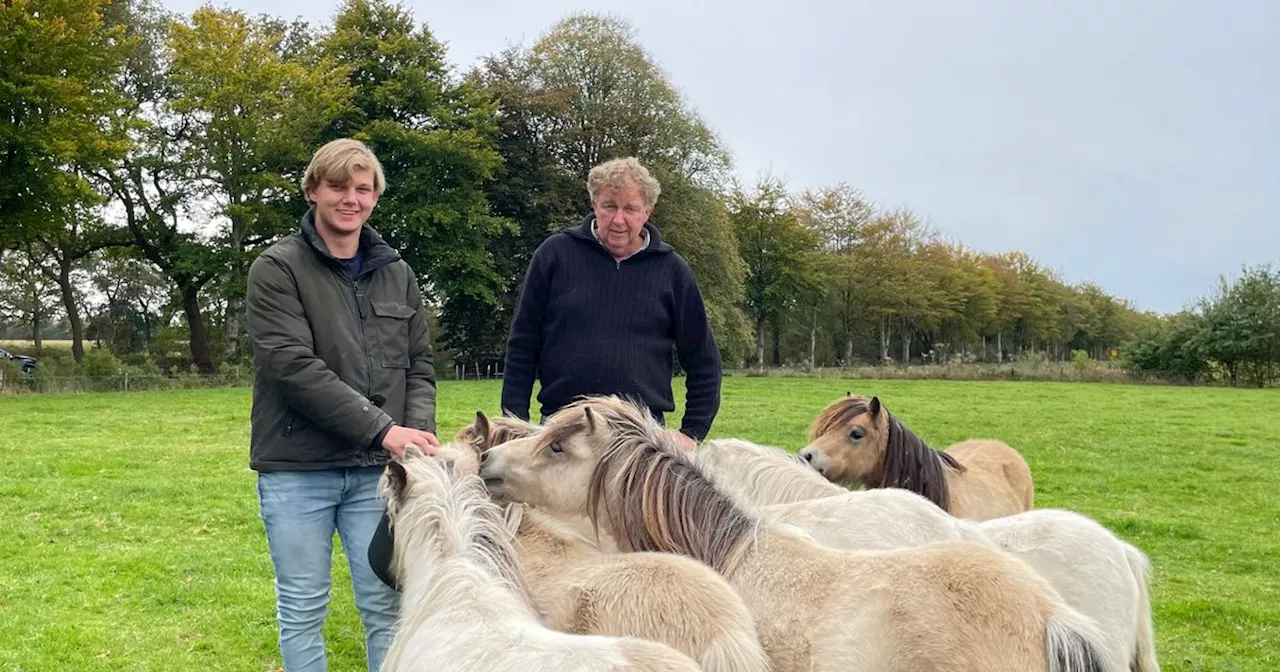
(29, 347)
(132, 540)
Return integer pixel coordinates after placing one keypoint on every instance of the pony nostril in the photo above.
(808, 457)
(484, 457)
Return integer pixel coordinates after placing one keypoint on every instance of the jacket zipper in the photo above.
(364, 340)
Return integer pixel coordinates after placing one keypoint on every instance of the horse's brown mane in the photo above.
(655, 499)
(500, 430)
(909, 462)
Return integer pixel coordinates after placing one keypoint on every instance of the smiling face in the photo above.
(620, 217)
(343, 207)
(551, 469)
(849, 442)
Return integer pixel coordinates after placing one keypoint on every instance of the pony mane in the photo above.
(655, 499)
(439, 516)
(501, 430)
(909, 462)
(769, 475)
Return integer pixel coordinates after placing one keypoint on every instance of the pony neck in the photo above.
(458, 583)
(549, 538)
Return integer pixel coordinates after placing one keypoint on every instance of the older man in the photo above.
(604, 304)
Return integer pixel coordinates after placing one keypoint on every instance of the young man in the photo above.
(344, 380)
(603, 306)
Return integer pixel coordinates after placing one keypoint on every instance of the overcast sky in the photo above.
(1132, 143)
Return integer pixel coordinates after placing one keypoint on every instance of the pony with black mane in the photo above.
(856, 439)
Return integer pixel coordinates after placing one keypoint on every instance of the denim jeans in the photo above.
(301, 510)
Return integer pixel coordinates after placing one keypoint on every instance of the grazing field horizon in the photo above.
(134, 541)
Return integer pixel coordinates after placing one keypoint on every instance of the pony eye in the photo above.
(555, 448)
(857, 434)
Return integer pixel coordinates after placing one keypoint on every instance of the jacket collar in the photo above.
(377, 253)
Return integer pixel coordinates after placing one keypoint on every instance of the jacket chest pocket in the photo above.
(391, 327)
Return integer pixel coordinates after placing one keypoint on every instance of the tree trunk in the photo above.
(73, 313)
(195, 322)
(984, 348)
(906, 342)
(36, 324)
(760, 342)
(231, 320)
(813, 339)
(777, 342)
(146, 321)
(884, 341)
(999, 346)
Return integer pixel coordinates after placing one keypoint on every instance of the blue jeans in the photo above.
(301, 510)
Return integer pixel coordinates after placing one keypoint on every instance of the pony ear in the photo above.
(848, 394)
(512, 515)
(413, 451)
(397, 480)
(481, 439)
(591, 419)
(874, 406)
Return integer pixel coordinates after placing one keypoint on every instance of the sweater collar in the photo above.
(653, 239)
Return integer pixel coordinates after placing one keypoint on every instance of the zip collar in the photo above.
(377, 253)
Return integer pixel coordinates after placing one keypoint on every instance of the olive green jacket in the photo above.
(336, 360)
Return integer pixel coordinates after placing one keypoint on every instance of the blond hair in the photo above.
(622, 174)
(338, 160)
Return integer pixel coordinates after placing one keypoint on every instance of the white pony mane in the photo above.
(445, 524)
(756, 475)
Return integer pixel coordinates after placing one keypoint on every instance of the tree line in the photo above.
(148, 157)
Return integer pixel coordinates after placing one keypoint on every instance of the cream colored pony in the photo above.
(756, 475)
(463, 603)
(1096, 572)
(956, 606)
(577, 587)
(856, 439)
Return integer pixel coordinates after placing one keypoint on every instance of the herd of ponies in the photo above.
(596, 543)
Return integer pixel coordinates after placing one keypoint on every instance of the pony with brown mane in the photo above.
(1094, 571)
(958, 606)
(856, 439)
(464, 606)
(577, 587)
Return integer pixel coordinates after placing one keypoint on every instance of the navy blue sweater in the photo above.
(587, 324)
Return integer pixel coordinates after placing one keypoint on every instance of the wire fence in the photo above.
(12, 382)
(124, 382)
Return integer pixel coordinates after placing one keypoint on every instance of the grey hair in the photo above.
(621, 174)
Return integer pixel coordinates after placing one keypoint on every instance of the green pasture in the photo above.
(132, 540)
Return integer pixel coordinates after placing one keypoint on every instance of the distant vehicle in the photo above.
(28, 364)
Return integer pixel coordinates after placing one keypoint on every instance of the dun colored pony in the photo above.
(1096, 572)
(463, 602)
(958, 606)
(577, 587)
(856, 439)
